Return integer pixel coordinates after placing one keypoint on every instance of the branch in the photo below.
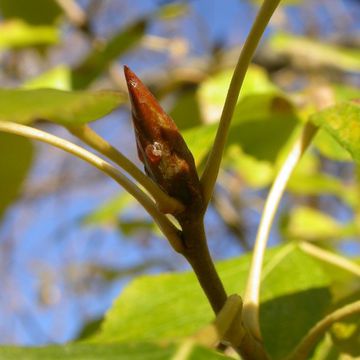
(251, 297)
(212, 166)
(165, 203)
(302, 351)
(168, 229)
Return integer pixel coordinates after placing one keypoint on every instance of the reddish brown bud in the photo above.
(161, 148)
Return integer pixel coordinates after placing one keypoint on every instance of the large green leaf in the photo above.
(169, 306)
(342, 122)
(16, 155)
(34, 12)
(101, 57)
(131, 351)
(63, 107)
(16, 33)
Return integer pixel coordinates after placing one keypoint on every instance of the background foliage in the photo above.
(70, 240)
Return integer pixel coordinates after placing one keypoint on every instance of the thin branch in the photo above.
(212, 166)
(302, 351)
(331, 258)
(251, 297)
(168, 229)
(165, 203)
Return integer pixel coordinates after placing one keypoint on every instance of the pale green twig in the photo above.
(331, 258)
(165, 225)
(251, 297)
(211, 170)
(165, 203)
(302, 351)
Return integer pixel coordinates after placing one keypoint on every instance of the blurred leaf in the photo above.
(16, 155)
(309, 224)
(16, 33)
(212, 92)
(57, 78)
(37, 12)
(103, 54)
(306, 51)
(133, 351)
(66, 108)
(186, 111)
(255, 173)
(262, 124)
(292, 283)
(172, 11)
(133, 226)
(330, 148)
(109, 212)
(342, 122)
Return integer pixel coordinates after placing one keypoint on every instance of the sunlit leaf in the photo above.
(16, 33)
(67, 108)
(37, 12)
(16, 156)
(212, 92)
(292, 282)
(57, 78)
(342, 122)
(102, 56)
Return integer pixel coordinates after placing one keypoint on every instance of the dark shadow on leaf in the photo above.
(286, 319)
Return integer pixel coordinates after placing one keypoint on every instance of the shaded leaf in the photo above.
(66, 108)
(16, 33)
(342, 122)
(16, 155)
(131, 351)
(101, 57)
(153, 307)
(34, 12)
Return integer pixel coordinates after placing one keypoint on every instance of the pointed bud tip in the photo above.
(131, 79)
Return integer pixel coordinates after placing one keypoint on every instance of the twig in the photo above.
(330, 258)
(302, 351)
(165, 203)
(165, 225)
(251, 297)
(211, 170)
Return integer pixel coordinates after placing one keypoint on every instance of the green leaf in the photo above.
(16, 154)
(306, 51)
(212, 92)
(63, 107)
(109, 212)
(131, 351)
(101, 57)
(37, 12)
(169, 306)
(57, 78)
(309, 224)
(262, 125)
(342, 122)
(16, 33)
